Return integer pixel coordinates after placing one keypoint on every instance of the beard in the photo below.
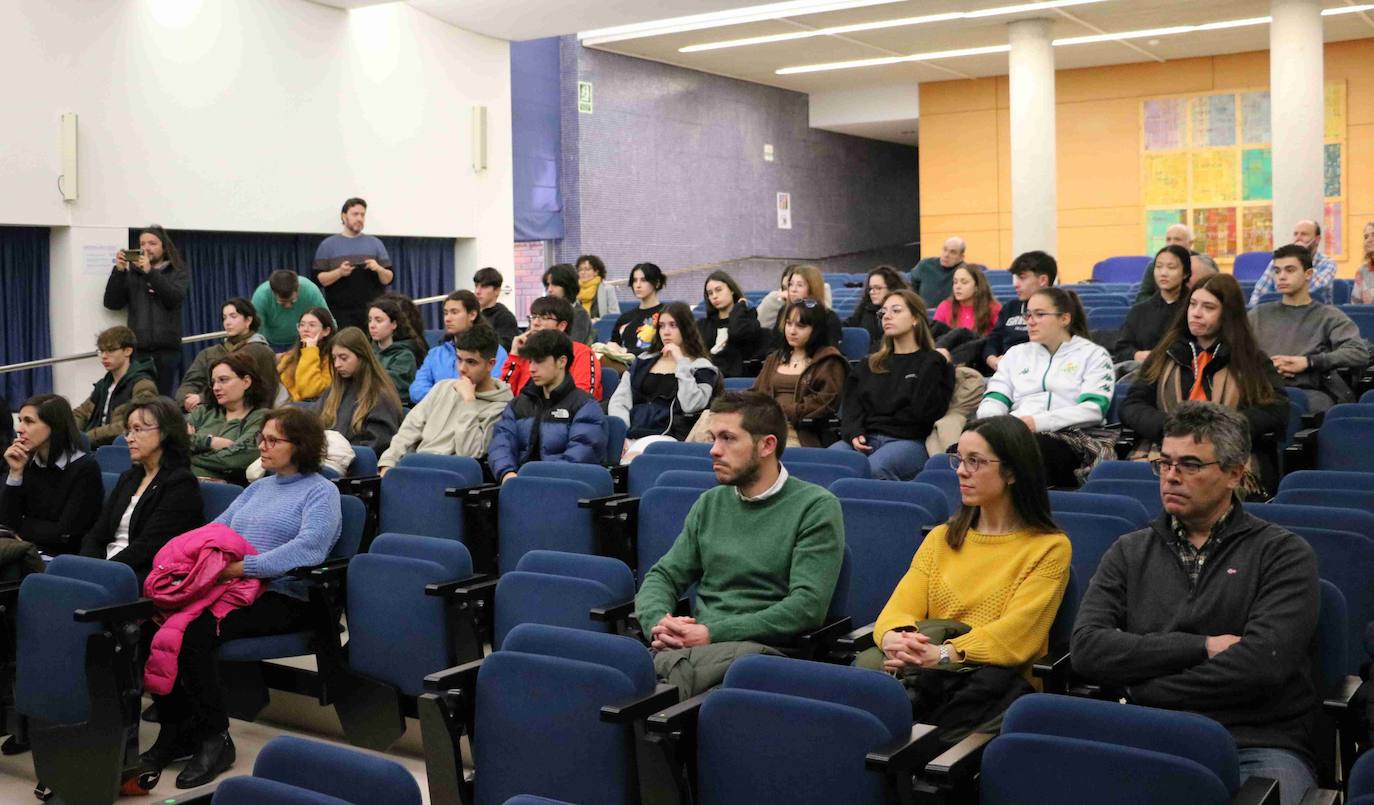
(745, 475)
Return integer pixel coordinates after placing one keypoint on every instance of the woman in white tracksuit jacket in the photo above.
(1057, 383)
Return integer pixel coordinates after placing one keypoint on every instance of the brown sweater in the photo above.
(818, 389)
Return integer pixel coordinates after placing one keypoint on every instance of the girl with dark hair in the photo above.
(361, 402)
(669, 386)
(411, 314)
(635, 329)
(1148, 320)
(593, 293)
(153, 288)
(867, 314)
(561, 282)
(156, 499)
(304, 371)
(1209, 353)
(893, 399)
(53, 492)
(292, 518)
(971, 305)
(240, 319)
(730, 329)
(805, 375)
(392, 339)
(1060, 384)
(1009, 564)
(224, 433)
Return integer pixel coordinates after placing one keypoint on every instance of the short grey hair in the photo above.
(1225, 428)
(1206, 259)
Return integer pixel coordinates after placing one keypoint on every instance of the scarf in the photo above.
(586, 294)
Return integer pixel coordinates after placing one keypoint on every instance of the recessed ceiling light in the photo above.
(934, 56)
(1153, 42)
(836, 30)
(716, 19)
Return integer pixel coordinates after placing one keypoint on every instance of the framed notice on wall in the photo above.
(784, 211)
(1206, 160)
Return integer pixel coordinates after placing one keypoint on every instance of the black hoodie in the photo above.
(1143, 626)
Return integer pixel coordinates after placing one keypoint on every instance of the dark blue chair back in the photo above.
(1334, 440)
(1119, 393)
(560, 589)
(1123, 506)
(645, 469)
(1145, 492)
(1091, 536)
(1349, 411)
(335, 771)
(554, 523)
(929, 498)
(354, 515)
(822, 475)
(109, 480)
(662, 512)
(1106, 318)
(939, 461)
(673, 448)
(854, 343)
(434, 338)
(1125, 269)
(364, 462)
(883, 537)
(413, 501)
(947, 482)
(1332, 658)
(215, 498)
(1326, 479)
(1362, 499)
(1061, 628)
(467, 469)
(1297, 409)
(691, 479)
(610, 381)
(739, 383)
(1251, 265)
(856, 464)
(1361, 784)
(616, 431)
(1123, 470)
(605, 331)
(112, 458)
(596, 478)
(1295, 517)
(397, 633)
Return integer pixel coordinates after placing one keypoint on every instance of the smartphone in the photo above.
(133, 255)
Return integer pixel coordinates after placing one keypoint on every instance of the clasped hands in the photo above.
(674, 631)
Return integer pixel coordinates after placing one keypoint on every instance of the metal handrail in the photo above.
(190, 339)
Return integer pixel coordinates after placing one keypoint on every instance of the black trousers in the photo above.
(168, 365)
(196, 704)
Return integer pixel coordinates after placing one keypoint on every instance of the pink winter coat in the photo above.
(184, 582)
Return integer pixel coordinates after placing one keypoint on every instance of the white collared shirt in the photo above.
(770, 491)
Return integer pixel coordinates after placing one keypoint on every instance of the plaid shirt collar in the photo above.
(1193, 559)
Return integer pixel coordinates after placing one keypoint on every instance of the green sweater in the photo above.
(278, 324)
(398, 361)
(764, 571)
(229, 463)
(932, 281)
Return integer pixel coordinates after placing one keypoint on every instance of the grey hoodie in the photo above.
(445, 424)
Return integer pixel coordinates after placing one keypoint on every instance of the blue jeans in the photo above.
(1294, 775)
(891, 459)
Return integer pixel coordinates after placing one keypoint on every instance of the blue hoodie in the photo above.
(441, 363)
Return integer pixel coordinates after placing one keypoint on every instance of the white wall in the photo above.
(250, 115)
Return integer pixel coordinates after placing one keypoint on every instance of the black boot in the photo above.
(169, 748)
(215, 756)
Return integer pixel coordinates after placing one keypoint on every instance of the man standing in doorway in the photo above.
(933, 277)
(353, 268)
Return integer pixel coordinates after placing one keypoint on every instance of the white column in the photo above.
(80, 261)
(1034, 197)
(1296, 92)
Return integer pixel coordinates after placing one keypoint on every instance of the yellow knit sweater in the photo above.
(306, 380)
(1007, 587)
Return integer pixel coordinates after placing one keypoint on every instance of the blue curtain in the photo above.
(228, 264)
(536, 139)
(24, 333)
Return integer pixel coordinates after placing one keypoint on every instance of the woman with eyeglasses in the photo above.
(156, 499)
(806, 375)
(1209, 353)
(304, 371)
(224, 433)
(984, 587)
(292, 518)
(1060, 384)
(53, 492)
(868, 313)
(893, 399)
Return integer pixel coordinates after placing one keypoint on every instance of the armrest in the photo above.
(819, 423)
(461, 677)
(359, 485)
(1338, 699)
(861, 639)
(679, 716)
(461, 588)
(331, 570)
(613, 505)
(1257, 791)
(480, 496)
(620, 476)
(664, 696)
(1051, 665)
(906, 755)
(960, 762)
(1320, 796)
(823, 635)
(614, 612)
(142, 609)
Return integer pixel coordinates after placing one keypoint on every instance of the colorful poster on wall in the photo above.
(1335, 110)
(1256, 174)
(1257, 229)
(1214, 176)
(1166, 179)
(1157, 223)
(1214, 230)
(1333, 230)
(1165, 123)
(1214, 121)
(1331, 170)
(1254, 118)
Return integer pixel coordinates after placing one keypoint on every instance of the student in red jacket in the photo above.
(553, 313)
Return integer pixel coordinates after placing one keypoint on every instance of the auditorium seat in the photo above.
(1249, 266)
(556, 588)
(113, 458)
(540, 509)
(1091, 535)
(1123, 506)
(1146, 492)
(295, 771)
(929, 498)
(855, 464)
(883, 537)
(1120, 269)
(854, 343)
(216, 497)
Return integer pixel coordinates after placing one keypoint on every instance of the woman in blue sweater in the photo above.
(293, 518)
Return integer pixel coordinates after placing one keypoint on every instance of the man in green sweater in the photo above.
(933, 277)
(281, 301)
(763, 548)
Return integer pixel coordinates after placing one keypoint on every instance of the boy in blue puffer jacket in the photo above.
(552, 419)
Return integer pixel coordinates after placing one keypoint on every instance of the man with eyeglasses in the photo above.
(553, 313)
(1210, 609)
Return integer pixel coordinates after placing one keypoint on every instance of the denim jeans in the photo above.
(1294, 775)
(891, 459)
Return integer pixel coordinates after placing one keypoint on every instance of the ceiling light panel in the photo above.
(697, 22)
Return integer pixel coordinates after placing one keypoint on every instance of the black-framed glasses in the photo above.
(1185, 467)
(543, 317)
(271, 442)
(975, 463)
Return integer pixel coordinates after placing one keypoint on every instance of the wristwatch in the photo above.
(946, 654)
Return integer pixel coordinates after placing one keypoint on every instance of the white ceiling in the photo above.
(528, 19)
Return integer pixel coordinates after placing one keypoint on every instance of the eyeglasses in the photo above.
(544, 318)
(270, 442)
(1042, 314)
(135, 431)
(1186, 467)
(975, 463)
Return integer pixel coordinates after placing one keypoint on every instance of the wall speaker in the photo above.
(479, 138)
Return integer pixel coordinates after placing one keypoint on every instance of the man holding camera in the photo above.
(352, 268)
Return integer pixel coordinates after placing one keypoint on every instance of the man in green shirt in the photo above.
(281, 301)
(764, 550)
(933, 277)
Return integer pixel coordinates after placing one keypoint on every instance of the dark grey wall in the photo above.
(669, 169)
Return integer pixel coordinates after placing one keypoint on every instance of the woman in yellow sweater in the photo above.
(999, 566)
(304, 371)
